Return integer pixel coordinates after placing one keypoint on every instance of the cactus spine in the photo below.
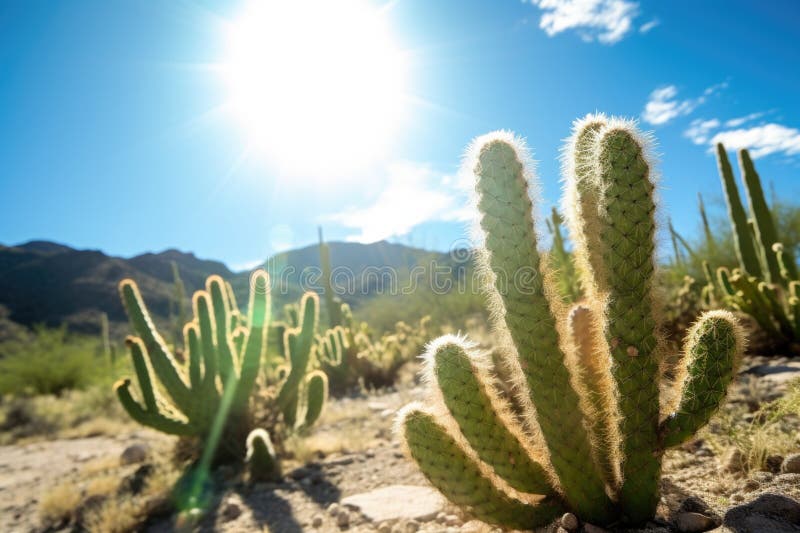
(590, 434)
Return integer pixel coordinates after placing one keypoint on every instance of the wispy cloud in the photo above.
(759, 139)
(414, 194)
(663, 104)
(736, 122)
(606, 21)
(649, 25)
(699, 130)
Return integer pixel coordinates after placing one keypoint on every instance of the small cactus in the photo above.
(590, 428)
(225, 350)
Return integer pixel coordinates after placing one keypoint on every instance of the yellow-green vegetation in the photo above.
(50, 361)
(591, 427)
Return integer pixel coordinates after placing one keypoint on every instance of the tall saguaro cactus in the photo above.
(591, 431)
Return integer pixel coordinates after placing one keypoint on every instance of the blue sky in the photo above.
(116, 129)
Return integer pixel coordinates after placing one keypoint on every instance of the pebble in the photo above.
(791, 465)
(412, 526)
(451, 520)
(316, 521)
(774, 463)
(734, 461)
(333, 509)
(694, 522)
(750, 485)
(384, 528)
(343, 518)
(135, 453)
(569, 522)
(231, 511)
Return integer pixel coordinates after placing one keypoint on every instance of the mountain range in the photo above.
(44, 282)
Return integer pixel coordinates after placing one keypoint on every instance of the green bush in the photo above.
(50, 362)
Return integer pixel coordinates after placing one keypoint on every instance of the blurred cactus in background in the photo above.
(765, 285)
(225, 350)
(592, 425)
(561, 261)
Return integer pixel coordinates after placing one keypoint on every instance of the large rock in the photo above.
(398, 502)
(769, 512)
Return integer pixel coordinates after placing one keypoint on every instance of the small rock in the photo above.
(299, 473)
(734, 461)
(397, 502)
(451, 520)
(441, 517)
(135, 453)
(773, 463)
(791, 465)
(473, 526)
(343, 518)
(750, 485)
(693, 522)
(412, 526)
(385, 528)
(231, 511)
(316, 521)
(569, 522)
(333, 509)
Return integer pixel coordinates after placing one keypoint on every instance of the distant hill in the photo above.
(50, 283)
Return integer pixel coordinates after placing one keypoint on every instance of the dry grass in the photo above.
(59, 504)
(122, 513)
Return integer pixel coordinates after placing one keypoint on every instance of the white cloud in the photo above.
(663, 104)
(761, 140)
(647, 26)
(736, 122)
(247, 265)
(699, 130)
(606, 21)
(414, 194)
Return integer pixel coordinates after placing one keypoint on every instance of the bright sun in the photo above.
(319, 85)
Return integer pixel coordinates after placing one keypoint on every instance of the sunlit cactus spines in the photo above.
(589, 426)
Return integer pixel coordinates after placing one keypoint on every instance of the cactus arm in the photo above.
(510, 241)
(317, 391)
(742, 236)
(192, 343)
(465, 390)
(202, 310)
(765, 232)
(714, 347)
(298, 343)
(451, 471)
(261, 460)
(626, 247)
(786, 264)
(147, 417)
(596, 380)
(219, 303)
(258, 318)
(138, 350)
(163, 363)
(777, 311)
(709, 235)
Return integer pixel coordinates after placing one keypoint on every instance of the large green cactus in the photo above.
(225, 350)
(589, 428)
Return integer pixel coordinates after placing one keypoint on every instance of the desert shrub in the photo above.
(50, 362)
